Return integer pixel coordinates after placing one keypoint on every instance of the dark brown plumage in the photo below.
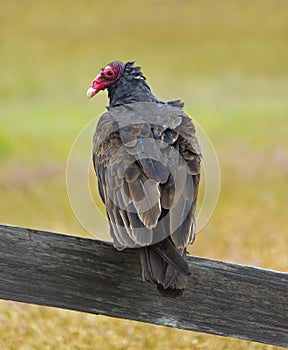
(147, 160)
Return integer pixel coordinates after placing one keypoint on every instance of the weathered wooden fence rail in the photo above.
(87, 275)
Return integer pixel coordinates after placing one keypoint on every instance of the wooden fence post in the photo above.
(82, 274)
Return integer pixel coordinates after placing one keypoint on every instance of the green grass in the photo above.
(227, 60)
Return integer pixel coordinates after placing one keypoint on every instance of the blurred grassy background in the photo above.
(227, 60)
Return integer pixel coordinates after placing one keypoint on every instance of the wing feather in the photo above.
(147, 161)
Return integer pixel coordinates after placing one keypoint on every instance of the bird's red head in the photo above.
(106, 77)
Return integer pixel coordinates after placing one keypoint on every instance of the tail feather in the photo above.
(153, 266)
(165, 265)
(173, 256)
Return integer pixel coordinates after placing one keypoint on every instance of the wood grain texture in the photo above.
(81, 274)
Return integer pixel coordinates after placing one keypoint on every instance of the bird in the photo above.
(147, 160)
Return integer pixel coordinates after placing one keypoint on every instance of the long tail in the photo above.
(165, 265)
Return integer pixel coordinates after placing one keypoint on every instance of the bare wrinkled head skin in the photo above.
(106, 77)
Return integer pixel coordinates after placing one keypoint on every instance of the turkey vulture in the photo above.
(147, 160)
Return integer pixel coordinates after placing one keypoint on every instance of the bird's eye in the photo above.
(108, 73)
